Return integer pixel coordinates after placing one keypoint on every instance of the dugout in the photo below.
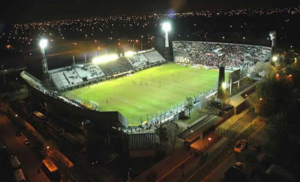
(200, 129)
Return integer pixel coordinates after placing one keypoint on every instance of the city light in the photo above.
(104, 59)
(166, 26)
(274, 58)
(43, 43)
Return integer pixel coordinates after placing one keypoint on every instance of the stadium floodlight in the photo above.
(166, 26)
(43, 43)
(224, 85)
(274, 58)
(105, 59)
(129, 53)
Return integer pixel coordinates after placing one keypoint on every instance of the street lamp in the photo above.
(274, 58)
(224, 85)
(166, 26)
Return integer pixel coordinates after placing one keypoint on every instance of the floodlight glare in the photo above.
(104, 59)
(43, 43)
(166, 26)
(224, 85)
(129, 53)
(275, 58)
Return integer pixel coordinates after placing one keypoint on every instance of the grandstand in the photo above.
(79, 75)
(154, 57)
(117, 67)
(75, 75)
(89, 72)
(211, 54)
(138, 61)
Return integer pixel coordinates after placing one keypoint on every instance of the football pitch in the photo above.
(149, 92)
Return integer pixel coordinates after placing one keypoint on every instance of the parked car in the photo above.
(18, 133)
(238, 165)
(26, 141)
(240, 145)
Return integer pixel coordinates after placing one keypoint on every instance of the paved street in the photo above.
(26, 157)
(218, 173)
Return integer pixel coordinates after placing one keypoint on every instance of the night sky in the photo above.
(41, 10)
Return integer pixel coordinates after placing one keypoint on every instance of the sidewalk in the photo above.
(233, 119)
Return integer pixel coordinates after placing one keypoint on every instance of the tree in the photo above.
(189, 104)
(172, 132)
(161, 132)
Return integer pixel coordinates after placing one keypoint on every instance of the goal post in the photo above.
(94, 104)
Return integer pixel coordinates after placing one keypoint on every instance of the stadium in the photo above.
(144, 87)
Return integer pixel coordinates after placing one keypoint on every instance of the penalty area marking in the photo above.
(126, 101)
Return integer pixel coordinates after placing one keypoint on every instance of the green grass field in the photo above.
(150, 91)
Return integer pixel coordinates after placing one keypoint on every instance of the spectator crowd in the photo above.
(209, 54)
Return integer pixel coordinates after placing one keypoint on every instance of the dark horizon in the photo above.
(46, 10)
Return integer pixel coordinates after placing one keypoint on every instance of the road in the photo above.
(192, 161)
(218, 173)
(26, 157)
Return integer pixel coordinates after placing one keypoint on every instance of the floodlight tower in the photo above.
(166, 26)
(273, 38)
(43, 45)
(273, 58)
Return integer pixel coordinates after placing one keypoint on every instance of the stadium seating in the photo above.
(116, 67)
(210, 54)
(89, 72)
(72, 76)
(60, 80)
(81, 74)
(138, 60)
(154, 57)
